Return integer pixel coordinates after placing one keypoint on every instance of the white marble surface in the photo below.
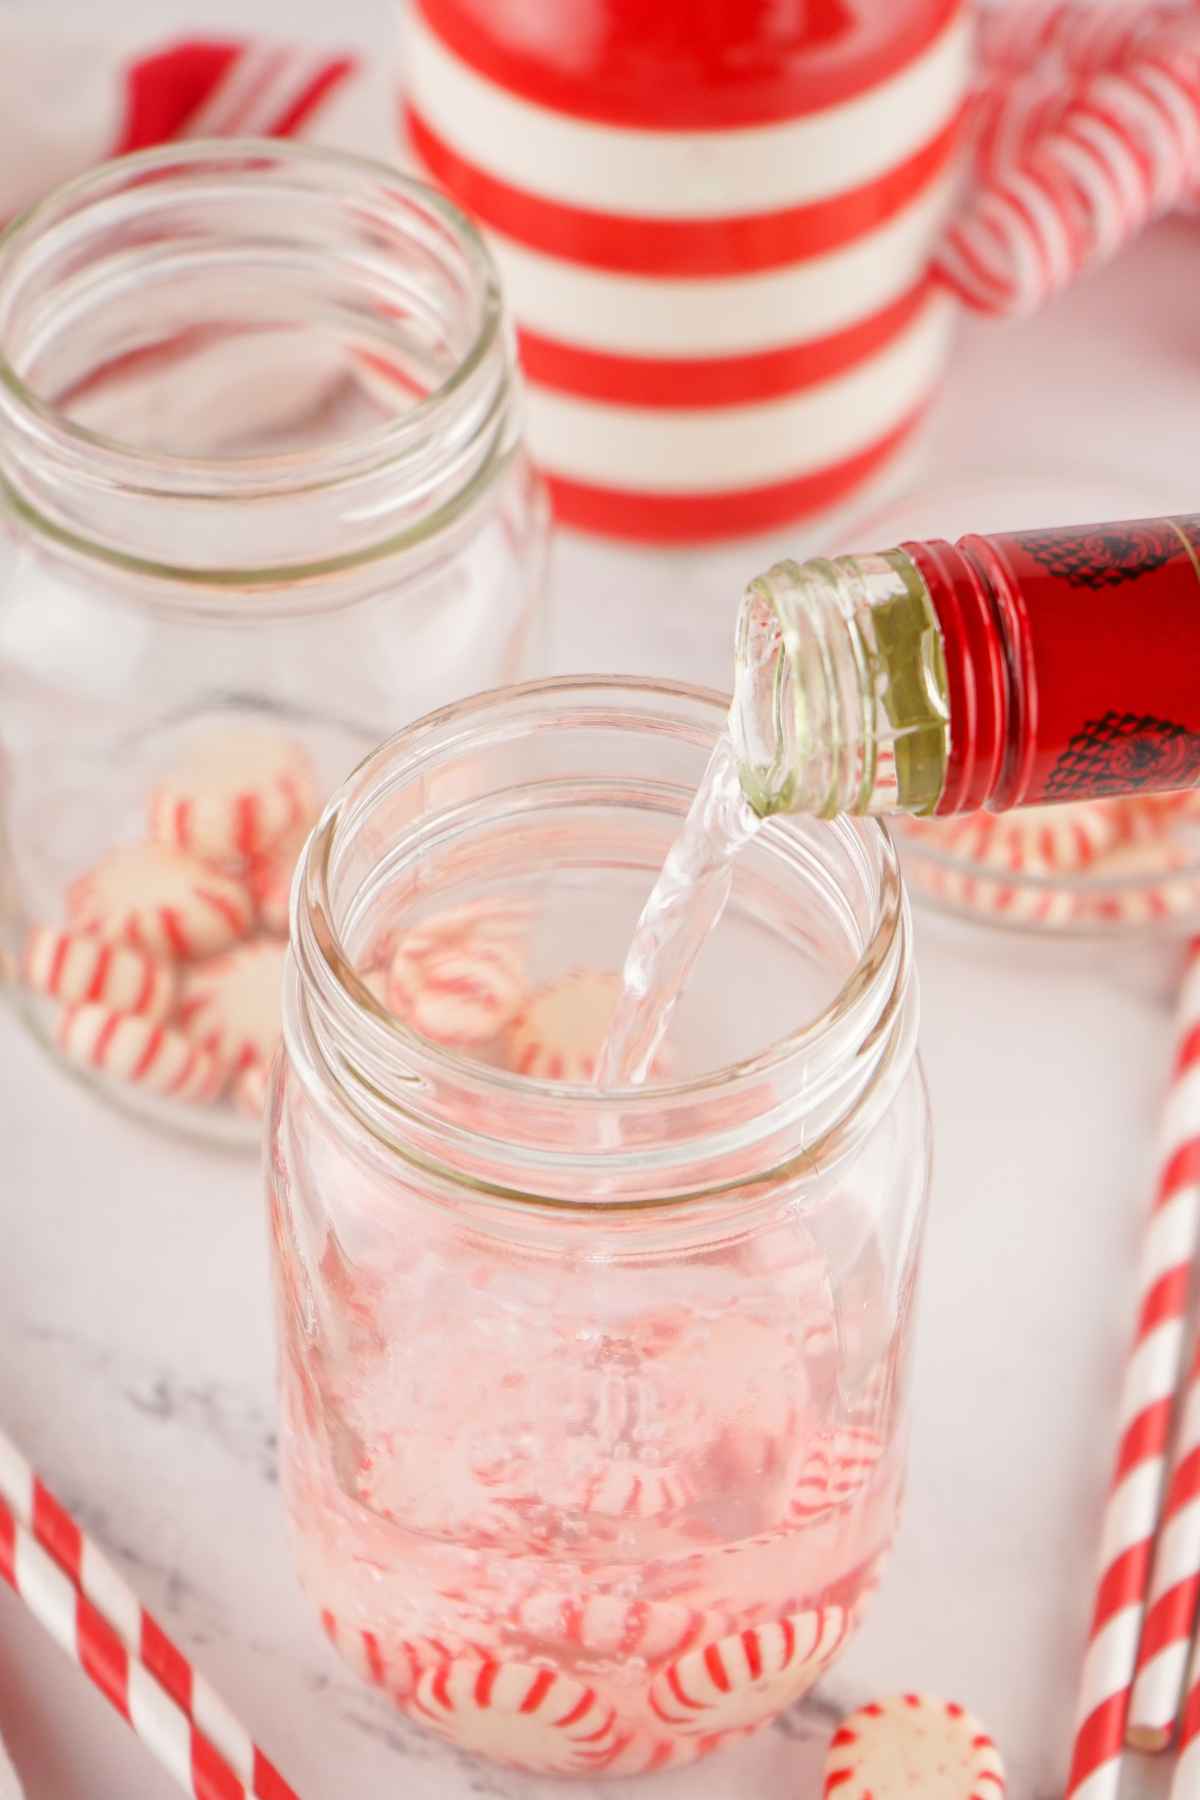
(135, 1344)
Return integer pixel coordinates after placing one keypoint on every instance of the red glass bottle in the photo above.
(1001, 671)
(714, 222)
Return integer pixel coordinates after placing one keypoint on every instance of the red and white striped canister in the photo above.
(714, 225)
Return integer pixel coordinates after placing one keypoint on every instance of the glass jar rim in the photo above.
(867, 1012)
(325, 468)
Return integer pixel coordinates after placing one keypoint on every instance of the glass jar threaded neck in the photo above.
(249, 363)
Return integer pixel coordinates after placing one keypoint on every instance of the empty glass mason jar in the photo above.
(593, 1401)
(266, 500)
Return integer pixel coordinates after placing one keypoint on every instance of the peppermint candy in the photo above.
(72, 967)
(532, 1718)
(231, 1004)
(913, 1744)
(749, 1676)
(160, 901)
(233, 797)
(138, 1051)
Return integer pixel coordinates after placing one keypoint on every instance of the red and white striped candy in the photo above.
(562, 1031)
(606, 1625)
(1162, 884)
(643, 1753)
(458, 976)
(1037, 840)
(162, 902)
(1003, 902)
(532, 1718)
(838, 1467)
(148, 1055)
(912, 1745)
(251, 1090)
(396, 1665)
(231, 1004)
(269, 879)
(631, 1490)
(234, 796)
(1158, 812)
(490, 921)
(750, 1675)
(72, 967)
(456, 994)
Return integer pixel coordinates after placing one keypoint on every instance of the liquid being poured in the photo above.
(683, 910)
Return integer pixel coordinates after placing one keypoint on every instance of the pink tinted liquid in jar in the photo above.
(593, 1402)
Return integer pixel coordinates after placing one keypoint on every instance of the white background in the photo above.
(135, 1349)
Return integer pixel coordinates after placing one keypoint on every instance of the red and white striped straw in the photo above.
(90, 1610)
(1174, 1590)
(1152, 1379)
(1185, 1783)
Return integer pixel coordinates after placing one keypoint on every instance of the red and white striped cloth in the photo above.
(1086, 128)
(1148, 1400)
(68, 101)
(724, 322)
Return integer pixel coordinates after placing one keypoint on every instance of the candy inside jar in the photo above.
(266, 499)
(593, 1400)
(161, 976)
(1126, 865)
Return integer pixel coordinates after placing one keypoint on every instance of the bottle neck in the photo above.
(1000, 671)
(989, 690)
(840, 690)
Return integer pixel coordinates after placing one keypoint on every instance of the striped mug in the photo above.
(714, 225)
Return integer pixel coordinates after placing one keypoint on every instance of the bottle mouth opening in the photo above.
(764, 715)
(242, 321)
(784, 1058)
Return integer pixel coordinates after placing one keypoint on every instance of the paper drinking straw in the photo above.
(1174, 1589)
(110, 1631)
(1152, 1378)
(88, 1638)
(1185, 1783)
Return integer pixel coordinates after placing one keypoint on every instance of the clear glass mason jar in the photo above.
(579, 1385)
(265, 495)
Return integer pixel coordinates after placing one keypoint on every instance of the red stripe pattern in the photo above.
(678, 281)
(1089, 129)
(87, 1637)
(86, 1605)
(913, 1743)
(1152, 1379)
(192, 87)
